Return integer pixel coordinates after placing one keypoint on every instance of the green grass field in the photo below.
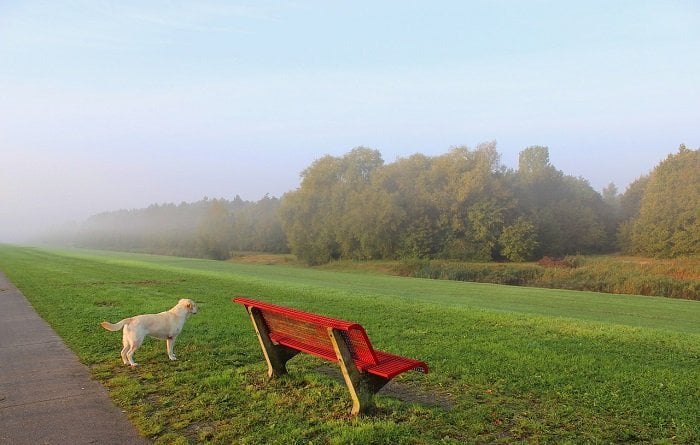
(508, 364)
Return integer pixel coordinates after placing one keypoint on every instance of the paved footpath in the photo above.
(46, 395)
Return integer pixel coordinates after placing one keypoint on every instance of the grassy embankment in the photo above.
(508, 364)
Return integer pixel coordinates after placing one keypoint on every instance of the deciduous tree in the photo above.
(669, 217)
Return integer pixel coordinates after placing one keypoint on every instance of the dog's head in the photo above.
(189, 305)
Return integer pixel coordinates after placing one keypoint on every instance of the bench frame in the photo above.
(365, 371)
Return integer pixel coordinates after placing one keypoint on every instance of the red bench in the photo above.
(284, 332)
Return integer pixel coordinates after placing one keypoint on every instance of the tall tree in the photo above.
(568, 214)
(356, 212)
(324, 217)
(630, 204)
(474, 201)
(414, 214)
(307, 213)
(669, 217)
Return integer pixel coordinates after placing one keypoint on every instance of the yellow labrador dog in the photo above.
(165, 325)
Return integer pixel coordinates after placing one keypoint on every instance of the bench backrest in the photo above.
(309, 332)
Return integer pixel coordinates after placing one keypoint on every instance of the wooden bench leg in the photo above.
(276, 356)
(362, 386)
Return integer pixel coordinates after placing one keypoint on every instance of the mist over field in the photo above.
(120, 105)
(41, 204)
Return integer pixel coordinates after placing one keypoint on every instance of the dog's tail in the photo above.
(115, 326)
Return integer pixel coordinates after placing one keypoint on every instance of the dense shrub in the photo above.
(618, 275)
(568, 262)
(511, 274)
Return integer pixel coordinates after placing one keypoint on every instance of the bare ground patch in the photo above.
(406, 392)
(263, 258)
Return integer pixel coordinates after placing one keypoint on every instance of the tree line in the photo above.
(210, 228)
(462, 205)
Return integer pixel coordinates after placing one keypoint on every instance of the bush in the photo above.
(568, 262)
(618, 275)
(518, 275)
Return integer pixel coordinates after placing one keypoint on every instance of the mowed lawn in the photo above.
(508, 364)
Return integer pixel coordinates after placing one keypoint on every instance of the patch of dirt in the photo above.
(199, 432)
(406, 392)
(262, 258)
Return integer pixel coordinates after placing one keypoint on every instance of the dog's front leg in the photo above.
(170, 344)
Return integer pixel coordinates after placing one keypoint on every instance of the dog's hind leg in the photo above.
(130, 352)
(130, 357)
(125, 349)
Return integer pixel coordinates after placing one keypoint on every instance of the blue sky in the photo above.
(120, 104)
